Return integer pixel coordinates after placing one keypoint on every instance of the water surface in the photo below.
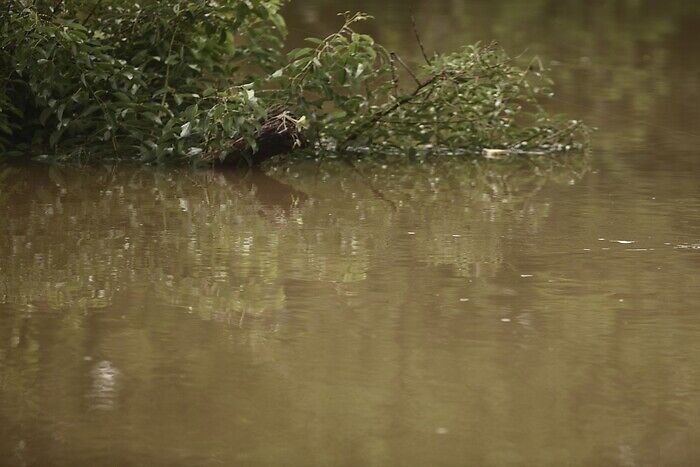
(450, 312)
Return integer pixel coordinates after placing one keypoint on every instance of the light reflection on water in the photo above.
(104, 385)
(448, 312)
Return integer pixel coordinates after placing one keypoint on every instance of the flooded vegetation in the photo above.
(426, 311)
(212, 83)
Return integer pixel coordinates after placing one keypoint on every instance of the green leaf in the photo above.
(122, 96)
(296, 54)
(185, 130)
(153, 117)
(44, 116)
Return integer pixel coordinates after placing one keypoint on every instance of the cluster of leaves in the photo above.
(130, 79)
(461, 102)
(172, 79)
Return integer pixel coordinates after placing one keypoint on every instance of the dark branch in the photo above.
(406, 67)
(420, 43)
(376, 117)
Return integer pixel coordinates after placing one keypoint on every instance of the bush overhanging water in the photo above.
(209, 81)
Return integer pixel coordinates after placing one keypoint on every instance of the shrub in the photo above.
(208, 80)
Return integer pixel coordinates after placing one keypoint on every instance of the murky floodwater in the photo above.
(390, 313)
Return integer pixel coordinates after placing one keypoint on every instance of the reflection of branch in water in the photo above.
(369, 185)
(190, 233)
(528, 175)
(269, 192)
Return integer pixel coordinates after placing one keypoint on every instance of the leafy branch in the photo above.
(196, 80)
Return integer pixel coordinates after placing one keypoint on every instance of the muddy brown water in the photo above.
(457, 312)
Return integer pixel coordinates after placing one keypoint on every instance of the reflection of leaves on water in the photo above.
(94, 232)
(104, 385)
(688, 246)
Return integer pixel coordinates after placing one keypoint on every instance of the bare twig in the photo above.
(420, 43)
(392, 64)
(167, 69)
(394, 76)
(406, 67)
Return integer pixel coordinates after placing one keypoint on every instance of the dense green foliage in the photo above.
(175, 79)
